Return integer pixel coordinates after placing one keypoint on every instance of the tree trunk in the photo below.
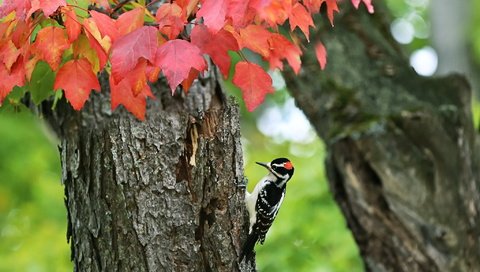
(402, 149)
(160, 195)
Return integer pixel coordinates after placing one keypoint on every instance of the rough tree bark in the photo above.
(158, 195)
(403, 160)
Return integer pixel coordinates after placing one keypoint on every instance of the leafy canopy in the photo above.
(133, 41)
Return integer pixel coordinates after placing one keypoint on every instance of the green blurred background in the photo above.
(32, 212)
(310, 233)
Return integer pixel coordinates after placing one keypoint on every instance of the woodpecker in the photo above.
(265, 201)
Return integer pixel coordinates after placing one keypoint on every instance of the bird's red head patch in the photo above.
(288, 165)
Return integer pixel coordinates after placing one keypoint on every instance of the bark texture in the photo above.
(160, 195)
(403, 152)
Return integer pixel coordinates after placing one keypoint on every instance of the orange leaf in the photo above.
(282, 48)
(276, 12)
(187, 83)
(171, 19)
(82, 49)
(30, 66)
(122, 94)
(321, 53)
(71, 24)
(152, 72)
(313, 6)
(77, 80)
(300, 17)
(12, 78)
(188, 5)
(255, 38)
(130, 21)
(105, 25)
(331, 8)
(176, 58)
(93, 32)
(137, 78)
(21, 34)
(101, 46)
(8, 53)
(50, 44)
(254, 82)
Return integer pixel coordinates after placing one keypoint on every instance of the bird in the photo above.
(264, 202)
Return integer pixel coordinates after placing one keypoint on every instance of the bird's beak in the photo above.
(264, 164)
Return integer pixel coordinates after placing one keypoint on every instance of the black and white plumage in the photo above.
(264, 202)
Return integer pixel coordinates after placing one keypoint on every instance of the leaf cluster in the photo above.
(136, 41)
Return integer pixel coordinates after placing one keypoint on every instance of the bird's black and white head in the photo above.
(281, 170)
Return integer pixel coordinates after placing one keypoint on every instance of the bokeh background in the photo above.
(310, 234)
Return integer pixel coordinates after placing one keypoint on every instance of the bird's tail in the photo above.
(247, 249)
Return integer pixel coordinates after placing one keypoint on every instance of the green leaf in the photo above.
(11, 103)
(41, 83)
(57, 97)
(15, 95)
(81, 7)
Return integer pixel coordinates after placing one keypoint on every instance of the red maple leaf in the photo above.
(152, 72)
(190, 6)
(47, 6)
(321, 54)
(275, 12)
(76, 78)
(171, 19)
(187, 83)
(215, 45)
(213, 13)
(240, 12)
(21, 7)
(255, 38)
(300, 17)
(114, 29)
(331, 8)
(8, 53)
(81, 48)
(127, 50)
(313, 5)
(368, 4)
(254, 82)
(101, 46)
(71, 24)
(50, 44)
(176, 58)
(21, 34)
(282, 48)
(12, 78)
(122, 94)
(137, 78)
(130, 21)
(105, 24)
